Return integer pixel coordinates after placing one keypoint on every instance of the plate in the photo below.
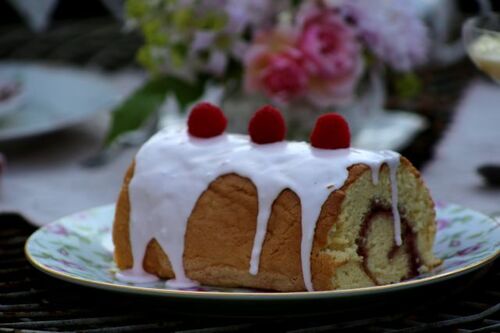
(391, 130)
(78, 249)
(55, 97)
(15, 100)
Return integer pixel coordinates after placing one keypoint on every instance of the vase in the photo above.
(301, 116)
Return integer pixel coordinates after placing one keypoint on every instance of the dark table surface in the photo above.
(33, 302)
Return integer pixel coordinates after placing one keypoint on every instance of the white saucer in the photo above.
(56, 97)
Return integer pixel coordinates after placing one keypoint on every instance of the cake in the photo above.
(199, 206)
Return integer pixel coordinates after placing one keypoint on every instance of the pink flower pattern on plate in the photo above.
(469, 250)
(57, 229)
(442, 224)
(72, 246)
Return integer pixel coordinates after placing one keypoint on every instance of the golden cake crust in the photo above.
(221, 230)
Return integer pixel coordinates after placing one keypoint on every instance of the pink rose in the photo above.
(320, 61)
(284, 78)
(338, 91)
(332, 54)
(275, 67)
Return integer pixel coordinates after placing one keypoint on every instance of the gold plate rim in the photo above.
(258, 295)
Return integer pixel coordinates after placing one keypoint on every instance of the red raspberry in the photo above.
(267, 125)
(331, 132)
(206, 120)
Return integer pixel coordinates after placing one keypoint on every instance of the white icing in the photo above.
(172, 170)
(107, 243)
(393, 166)
(375, 172)
(135, 276)
(181, 284)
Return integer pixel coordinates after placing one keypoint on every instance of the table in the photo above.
(33, 302)
(472, 140)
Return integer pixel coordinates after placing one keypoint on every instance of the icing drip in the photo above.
(393, 167)
(262, 218)
(375, 173)
(135, 276)
(172, 170)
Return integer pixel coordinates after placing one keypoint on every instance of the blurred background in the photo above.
(84, 83)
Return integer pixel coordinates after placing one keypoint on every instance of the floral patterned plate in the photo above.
(78, 249)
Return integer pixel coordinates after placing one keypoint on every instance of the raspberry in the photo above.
(267, 125)
(206, 120)
(331, 132)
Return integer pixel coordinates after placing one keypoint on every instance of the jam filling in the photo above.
(409, 242)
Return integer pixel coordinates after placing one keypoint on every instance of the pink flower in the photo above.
(332, 52)
(275, 67)
(284, 78)
(328, 43)
(335, 91)
(320, 61)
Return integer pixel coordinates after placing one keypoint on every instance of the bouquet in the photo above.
(312, 51)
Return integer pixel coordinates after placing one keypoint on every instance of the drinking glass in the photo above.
(481, 35)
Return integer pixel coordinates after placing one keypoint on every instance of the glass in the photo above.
(300, 116)
(481, 36)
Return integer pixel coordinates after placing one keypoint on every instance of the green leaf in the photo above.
(138, 107)
(136, 8)
(296, 3)
(185, 92)
(183, 18)
(407, 85)
(178, 55)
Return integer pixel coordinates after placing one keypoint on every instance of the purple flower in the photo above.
(104, 230)
(63, 251)
(240, 15)
(439, 204)
(458, 263)
(57, 229)
(469, 250)
(392, 30)
(72, 264)
(455, 243)
(59, 269)
(443, 224)
(255, 14)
